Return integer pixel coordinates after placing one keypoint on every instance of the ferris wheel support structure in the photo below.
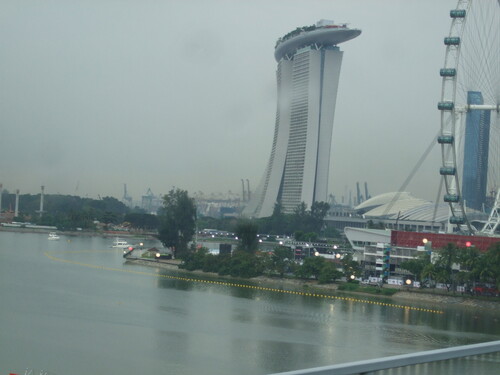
(494, 220)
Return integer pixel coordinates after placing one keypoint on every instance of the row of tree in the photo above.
(177, 226)
(474, 266)
(67, 212)
(175, 221)
(280, 262)
(308, 224)
(302, 219)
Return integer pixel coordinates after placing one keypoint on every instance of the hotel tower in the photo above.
(307, 78)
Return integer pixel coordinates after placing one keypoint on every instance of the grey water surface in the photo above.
(75, 307)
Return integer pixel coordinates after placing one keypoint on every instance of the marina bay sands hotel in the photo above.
(308, 72)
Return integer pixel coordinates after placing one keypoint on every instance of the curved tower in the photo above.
(307, 79)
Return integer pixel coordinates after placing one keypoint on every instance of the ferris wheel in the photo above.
(470, 114)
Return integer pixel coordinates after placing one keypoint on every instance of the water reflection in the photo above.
(168, 283)
(399, 332)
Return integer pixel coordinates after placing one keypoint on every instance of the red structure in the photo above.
(439, 240)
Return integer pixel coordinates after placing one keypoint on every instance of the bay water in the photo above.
(74, 306)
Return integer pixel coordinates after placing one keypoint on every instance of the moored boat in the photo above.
(53, 236)
(120, 244)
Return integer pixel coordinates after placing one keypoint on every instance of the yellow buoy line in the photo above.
(235, 285)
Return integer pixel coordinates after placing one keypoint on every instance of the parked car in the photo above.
(484, 290)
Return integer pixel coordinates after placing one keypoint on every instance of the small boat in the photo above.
(53, 236)
(120, 244)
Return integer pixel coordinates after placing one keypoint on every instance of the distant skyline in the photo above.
(156, 94)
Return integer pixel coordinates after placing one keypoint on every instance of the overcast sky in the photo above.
(155, 94)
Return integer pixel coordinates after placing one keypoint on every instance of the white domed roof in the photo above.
(381, 199)
(389, 204)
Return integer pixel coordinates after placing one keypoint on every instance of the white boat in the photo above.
(53, 236)
(120, 244)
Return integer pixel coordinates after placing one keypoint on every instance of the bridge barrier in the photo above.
(483, 358)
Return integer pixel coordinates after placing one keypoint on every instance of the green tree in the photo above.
(331, 232)
(299, 235)
(309, 220)
(81, 219)
(246, 231)
(245, 264)
(486, 272)
(311, 267)
(416, 266)
(278, 221)
(114, 205)
(429, 274)
(299, 218)
(318, 212)
(281, 259)
(109, 217)
(469, 259)
(195, 260)
(311, 236)
(447, 256)
(68, 212)
(210, 263)
(329, 273)
(491, 263)
(224, 264)
(142, 220)
(350, 267)
(177, 221)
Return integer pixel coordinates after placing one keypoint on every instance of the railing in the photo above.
(456, 360)
(32, 371)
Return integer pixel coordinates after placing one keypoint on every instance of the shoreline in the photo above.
(417, 297)
(82, 233)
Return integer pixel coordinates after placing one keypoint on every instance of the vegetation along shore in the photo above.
(395, 294)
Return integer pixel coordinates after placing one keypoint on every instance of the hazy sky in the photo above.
(155, 94)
